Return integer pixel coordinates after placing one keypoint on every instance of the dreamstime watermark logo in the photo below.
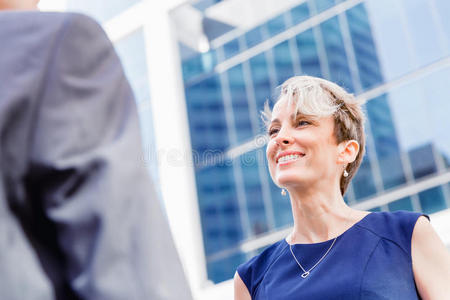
(247, 155)
(261, 140)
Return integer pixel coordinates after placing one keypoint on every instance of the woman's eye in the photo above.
(272, 131)
(303, 123)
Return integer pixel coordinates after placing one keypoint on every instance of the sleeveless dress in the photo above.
(370, 260)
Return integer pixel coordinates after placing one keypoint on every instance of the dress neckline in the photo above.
(327, 241)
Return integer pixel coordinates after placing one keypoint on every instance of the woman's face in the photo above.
(303, 151)
(19, 4)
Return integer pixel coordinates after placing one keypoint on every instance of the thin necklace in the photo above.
(306, 273)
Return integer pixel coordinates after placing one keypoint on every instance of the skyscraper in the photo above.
(375, 53)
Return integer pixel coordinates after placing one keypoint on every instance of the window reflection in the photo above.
(276, 25)
(442, 8)
(299, 13)
(322, 5)
(420, 112)
(281, 204)
(432, 200)
(422, 161)
(385, 139)
(206, 118)
(307, 48)
(391, 37)
(231, 48)
(363, 184)
(261, 80)
(336, 55)
(254, 37)
(242, 119)
(219, 208)
(283, 62)
(426, 42)
(198, 64)
(438, 105)
(364, 47)
(224, 269)
(401, 204)
(249, 163)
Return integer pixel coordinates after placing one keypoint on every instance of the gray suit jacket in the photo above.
(78, 215)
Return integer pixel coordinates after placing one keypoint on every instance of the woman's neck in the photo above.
(319, 216)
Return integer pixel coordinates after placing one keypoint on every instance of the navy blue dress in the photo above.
(370, 260)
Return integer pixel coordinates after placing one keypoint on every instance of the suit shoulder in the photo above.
(252, 272)
(62, 17)
(31, 23)
(83, 31)
(28, 25)
(83, 21)
(63, 20)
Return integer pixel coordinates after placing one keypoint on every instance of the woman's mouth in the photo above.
(285, 158)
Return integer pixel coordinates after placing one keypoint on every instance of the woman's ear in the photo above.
(348, 150)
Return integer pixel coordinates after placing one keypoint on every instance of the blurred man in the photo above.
(78, 215)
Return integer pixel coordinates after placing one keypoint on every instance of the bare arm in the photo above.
(431, 262)
(240, 290)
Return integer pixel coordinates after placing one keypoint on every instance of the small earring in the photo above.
(283, 192)
(345, 173)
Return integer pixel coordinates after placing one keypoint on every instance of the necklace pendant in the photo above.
(304, 275)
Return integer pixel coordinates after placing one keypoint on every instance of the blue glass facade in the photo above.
(384, 49)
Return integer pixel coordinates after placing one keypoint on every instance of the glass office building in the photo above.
(395, 54)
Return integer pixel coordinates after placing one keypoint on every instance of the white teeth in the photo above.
(288, 158)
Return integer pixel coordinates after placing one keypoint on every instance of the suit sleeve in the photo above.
(88, 176)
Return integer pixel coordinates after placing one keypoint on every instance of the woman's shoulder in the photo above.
(252, 271)
(396, 227)
(264, 259)
(385, 222)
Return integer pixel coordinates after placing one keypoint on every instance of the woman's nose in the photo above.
(284, 138)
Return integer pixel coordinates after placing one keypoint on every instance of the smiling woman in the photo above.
(316, 145)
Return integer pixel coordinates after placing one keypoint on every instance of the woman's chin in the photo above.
(291, 181)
